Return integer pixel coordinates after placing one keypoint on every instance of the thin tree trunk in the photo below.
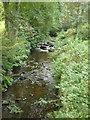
(6, 5)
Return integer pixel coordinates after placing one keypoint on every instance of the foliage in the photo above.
(50, 102)
(42, 16)
(24, 27)
(13, 55)
(14, 109)
(42, 101)
(27, 24)
(83, 31)
(70, 70)
(7, 81)
(72, 15)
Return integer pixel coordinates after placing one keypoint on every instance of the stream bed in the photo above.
(33, 82)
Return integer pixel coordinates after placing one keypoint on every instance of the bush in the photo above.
(70, 70)
(70, 32)
(15, 49)
(13, 54)
(83, 32)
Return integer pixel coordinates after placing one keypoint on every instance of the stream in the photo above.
(33, 82)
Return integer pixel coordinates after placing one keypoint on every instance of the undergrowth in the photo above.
(70, 66)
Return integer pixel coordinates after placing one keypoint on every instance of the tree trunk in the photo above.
(6, 5)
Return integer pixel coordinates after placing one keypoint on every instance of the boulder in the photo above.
(43, 47)
(45, 44)
(51, 45)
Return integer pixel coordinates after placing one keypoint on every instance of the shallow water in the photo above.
(33, 81)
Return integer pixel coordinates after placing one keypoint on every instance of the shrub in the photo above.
(16, 49)
(83, 32)
(70, 70)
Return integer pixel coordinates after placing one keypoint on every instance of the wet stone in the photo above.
(39, 79)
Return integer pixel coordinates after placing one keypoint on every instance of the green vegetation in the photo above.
(24, 25)
(70, 65)
(14, 109)
(70, 70)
